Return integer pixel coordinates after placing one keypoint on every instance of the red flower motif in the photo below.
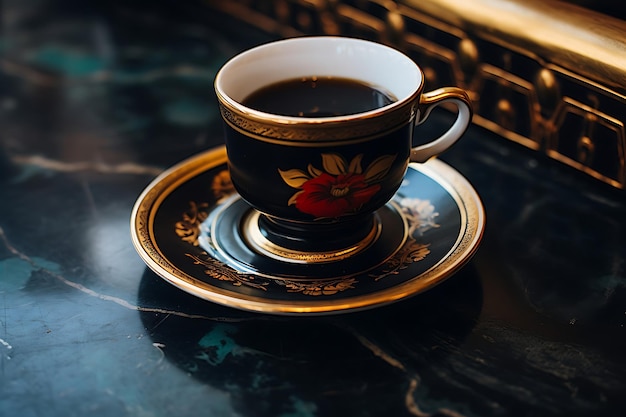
(333, 196)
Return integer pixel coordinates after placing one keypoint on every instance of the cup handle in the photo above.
(429, 101)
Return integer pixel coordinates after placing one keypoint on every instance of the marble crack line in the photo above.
(414, 380)
(160, 346)
(60, 166)
(8, 347)
(6, 344)
(105, 297)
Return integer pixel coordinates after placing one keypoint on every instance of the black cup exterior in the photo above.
(318, 181)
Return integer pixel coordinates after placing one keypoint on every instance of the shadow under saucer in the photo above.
(340, 364)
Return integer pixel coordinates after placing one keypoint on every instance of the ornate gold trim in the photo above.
(274, 129)
(529, 60)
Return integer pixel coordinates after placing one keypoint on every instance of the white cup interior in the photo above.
(372, 63)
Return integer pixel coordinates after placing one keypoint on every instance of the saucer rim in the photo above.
(146, 206)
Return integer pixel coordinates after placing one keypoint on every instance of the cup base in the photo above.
(309, 243)
(249, 242)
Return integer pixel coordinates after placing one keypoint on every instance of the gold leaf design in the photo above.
(316, 288)
(294, 198)
(314, 172)
(339, 189)
(188, 229)
(377, 170)
(355, 165)
(334, 164)
(222, 185)
(411, 252)
(216, 269)
(294, 177)
(420, 215)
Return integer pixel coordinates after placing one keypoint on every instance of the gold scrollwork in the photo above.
(217, 270)
(188, 228)
(421, 217)
(322, 287)
(419, 214)
(268, 129)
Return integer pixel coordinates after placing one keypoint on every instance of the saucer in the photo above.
(186, 228)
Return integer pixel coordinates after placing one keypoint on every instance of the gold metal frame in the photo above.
(544, 74)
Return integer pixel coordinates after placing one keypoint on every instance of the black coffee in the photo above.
(318, 97)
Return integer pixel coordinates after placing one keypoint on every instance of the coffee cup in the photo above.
(319, 134)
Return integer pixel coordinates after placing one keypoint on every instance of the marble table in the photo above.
(98, 99)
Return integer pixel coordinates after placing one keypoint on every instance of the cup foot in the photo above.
(249, 242)
(309, 243)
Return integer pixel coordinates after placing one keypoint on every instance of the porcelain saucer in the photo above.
(186, 228)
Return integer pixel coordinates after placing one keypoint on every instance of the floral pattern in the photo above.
(322, 287)
(341, 188)
(188, 228)
(222, 186)
(420, 215)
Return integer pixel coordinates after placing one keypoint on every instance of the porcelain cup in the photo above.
(317, 182)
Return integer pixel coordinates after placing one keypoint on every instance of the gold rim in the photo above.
(277, 129)
(272, 127)
(148, 203)
(257, 241)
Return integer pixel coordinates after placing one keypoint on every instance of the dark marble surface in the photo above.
(96, 100)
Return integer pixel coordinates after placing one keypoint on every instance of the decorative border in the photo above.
(352, 130)
(419, 215)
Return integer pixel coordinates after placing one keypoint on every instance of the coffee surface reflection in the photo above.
(318, 97)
